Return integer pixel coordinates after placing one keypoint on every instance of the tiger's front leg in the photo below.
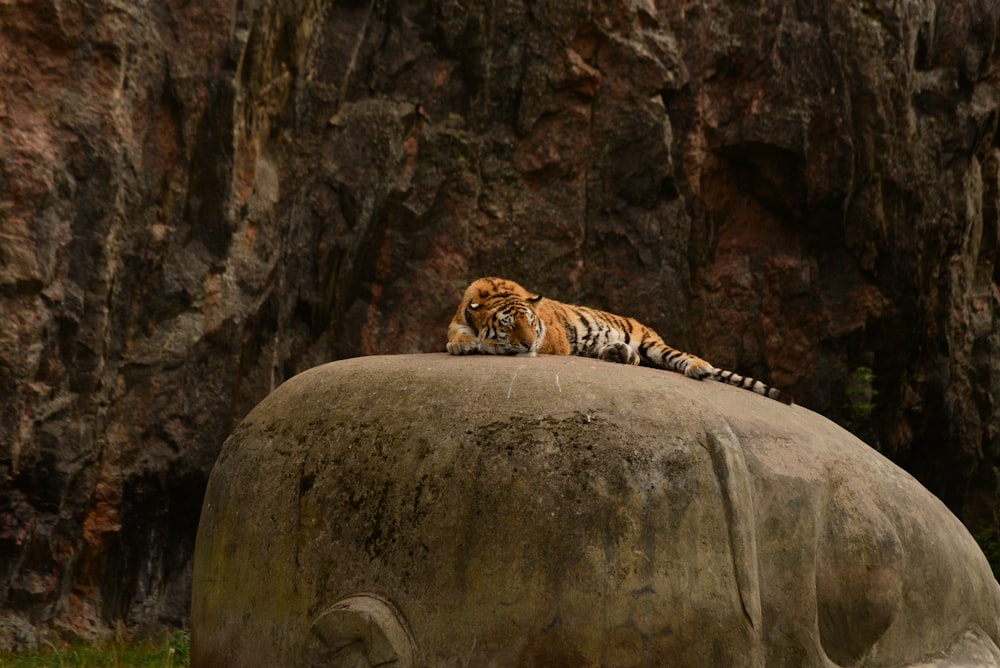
(462, 339)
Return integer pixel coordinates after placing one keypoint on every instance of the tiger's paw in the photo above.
(620, 353)
(463, 345)
(698, 368)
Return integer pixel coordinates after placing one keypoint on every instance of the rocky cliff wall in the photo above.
(198, 200)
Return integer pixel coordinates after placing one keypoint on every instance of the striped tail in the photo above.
(751, 384)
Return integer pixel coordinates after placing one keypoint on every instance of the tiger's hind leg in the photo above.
(619, 352)
(661, 355)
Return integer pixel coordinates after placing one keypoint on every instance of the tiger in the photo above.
(499, 317)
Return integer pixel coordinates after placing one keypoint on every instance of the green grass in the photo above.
(171, 652)
(989, 542)
(860, 406)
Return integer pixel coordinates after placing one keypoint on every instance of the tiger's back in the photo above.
(498, 316)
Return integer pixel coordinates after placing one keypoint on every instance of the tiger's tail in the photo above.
(747, 383)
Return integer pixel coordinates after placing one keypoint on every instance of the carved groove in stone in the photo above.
(360, 630)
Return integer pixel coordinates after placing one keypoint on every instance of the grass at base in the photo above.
(172, 652)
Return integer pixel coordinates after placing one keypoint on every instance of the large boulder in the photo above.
(435, 510)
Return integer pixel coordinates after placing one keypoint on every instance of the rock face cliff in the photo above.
(198, 200)
(429, 510)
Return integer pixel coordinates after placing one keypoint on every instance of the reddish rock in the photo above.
(198, 200)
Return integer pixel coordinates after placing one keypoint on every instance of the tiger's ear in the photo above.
(536, 298)
(474, 306)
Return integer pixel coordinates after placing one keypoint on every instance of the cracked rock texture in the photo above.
(198, 200)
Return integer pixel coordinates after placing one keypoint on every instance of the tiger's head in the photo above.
(502, 318)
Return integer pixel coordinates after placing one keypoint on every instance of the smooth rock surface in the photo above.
(435, 510)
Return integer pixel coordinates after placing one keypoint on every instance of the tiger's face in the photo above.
(497, 317)
(506, 325)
